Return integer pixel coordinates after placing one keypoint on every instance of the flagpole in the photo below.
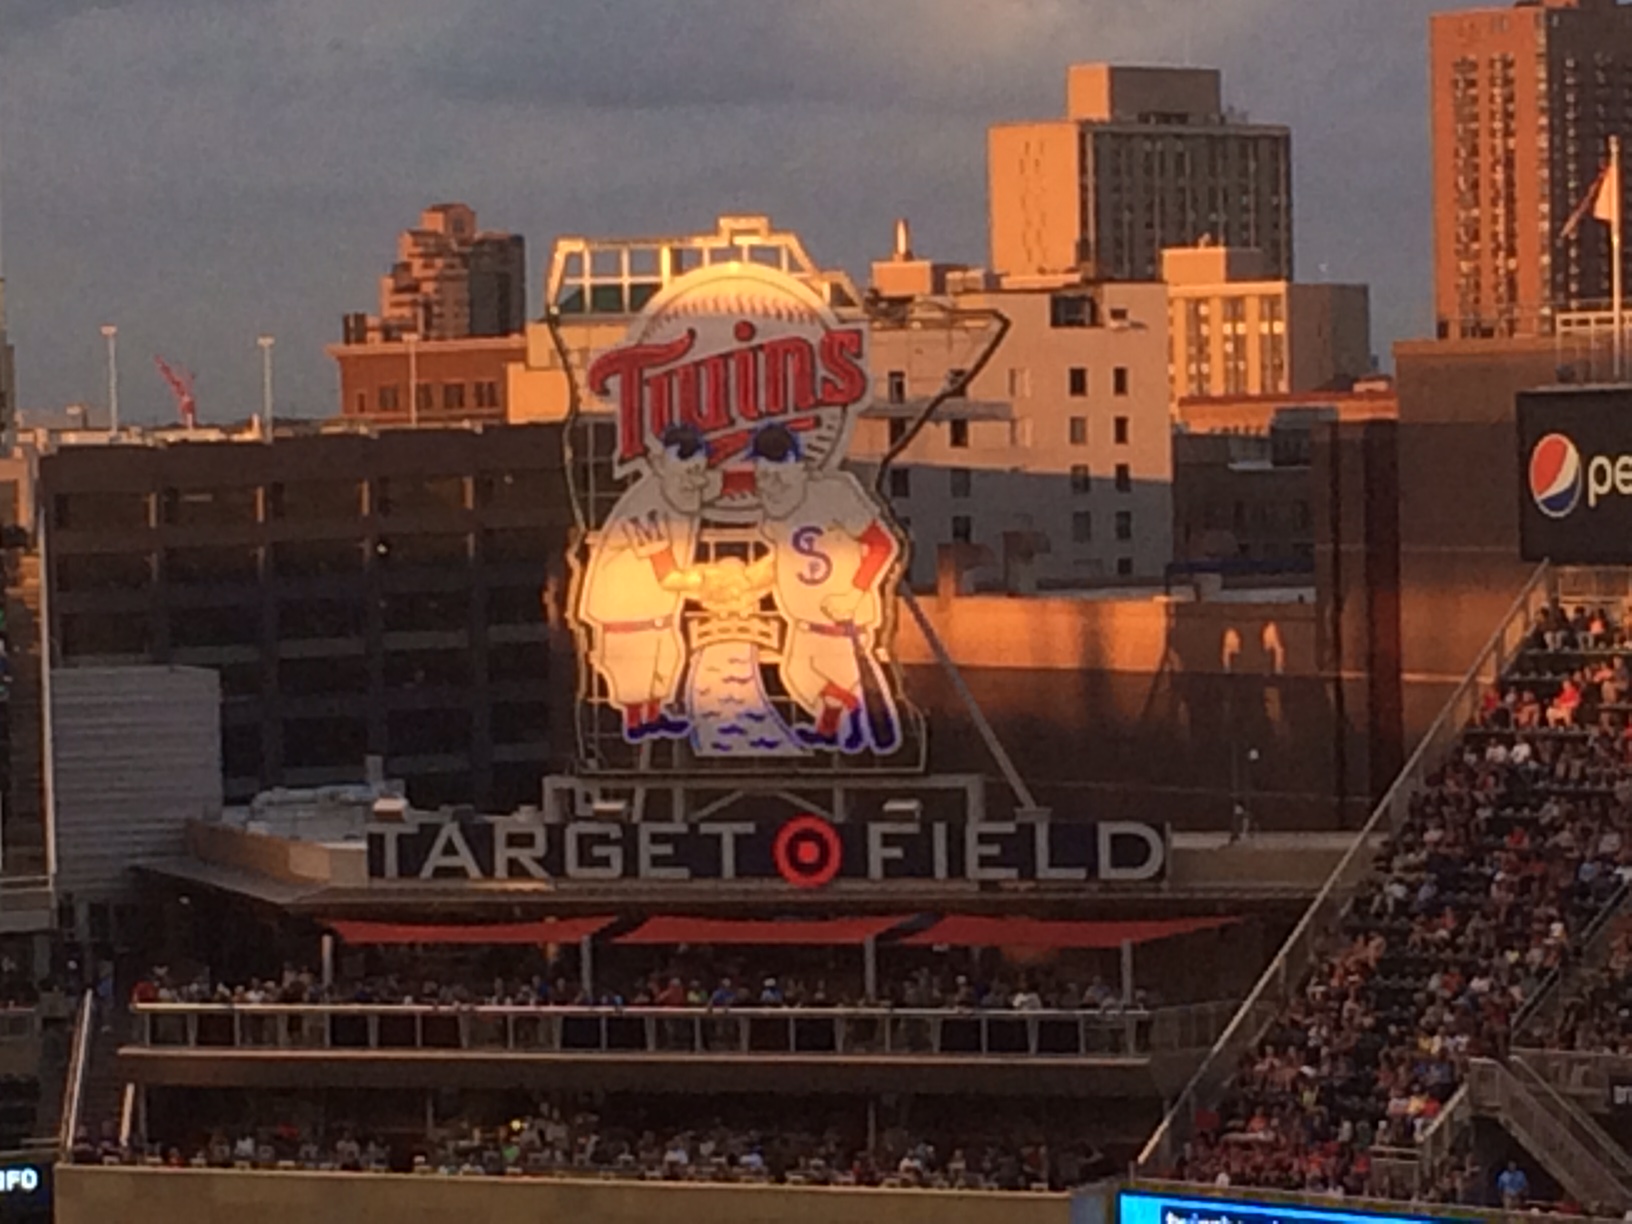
(1615, 272)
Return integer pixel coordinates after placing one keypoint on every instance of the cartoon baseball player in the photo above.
(829, 550)
(632, 594)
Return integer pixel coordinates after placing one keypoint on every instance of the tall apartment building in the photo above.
(1238, 330)
(452, 311)
(1054, 466)
(450, 280)
(1524, 98)
(1144, 159)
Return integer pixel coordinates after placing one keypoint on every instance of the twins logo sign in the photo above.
(736, 597)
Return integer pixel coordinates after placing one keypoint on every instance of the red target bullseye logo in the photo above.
(808, 852)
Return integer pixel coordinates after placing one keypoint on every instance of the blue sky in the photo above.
(199, 171)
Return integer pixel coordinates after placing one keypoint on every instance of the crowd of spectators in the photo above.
(1597, 1015)
(677, 985)
(566, 1140)
(1507, 854)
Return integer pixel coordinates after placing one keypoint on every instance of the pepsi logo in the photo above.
(1555, 475)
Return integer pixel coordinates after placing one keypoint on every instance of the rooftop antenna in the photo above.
(903, 240)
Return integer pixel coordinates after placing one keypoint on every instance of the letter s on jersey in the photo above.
(819, 568)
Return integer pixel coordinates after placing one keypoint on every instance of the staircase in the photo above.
(1584, 1160)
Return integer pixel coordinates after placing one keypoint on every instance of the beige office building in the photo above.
(1054, 469)
(1238, 330)
(1144, 159)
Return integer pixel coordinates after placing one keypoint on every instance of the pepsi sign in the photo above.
(1575, 475)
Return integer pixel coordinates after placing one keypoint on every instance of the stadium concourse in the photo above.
(1517, 844)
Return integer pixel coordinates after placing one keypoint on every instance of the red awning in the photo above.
(972, 931)
(562, 931)
(818, 932)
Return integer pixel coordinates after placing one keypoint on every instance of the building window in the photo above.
(896, 382)
(957, 387)
(1079, 431)
(453, 397)
(1019, 384)
(898, 431)
(362, 403)
(1081, 481)
(1124, 524)
(1124, 478)
(390, 398)
(1119, 429)
(1077, 382)
(1070, 310)
(958, 435)
(962, 482)
(963, 530)
(900, 482)
(1082, 527)
(1119, 380)
(1235, 345)
(422, 397)
(487, 394)
(1124, 567)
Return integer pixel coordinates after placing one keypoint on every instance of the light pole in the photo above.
(266, 343)
(411, 340)
(110, 333)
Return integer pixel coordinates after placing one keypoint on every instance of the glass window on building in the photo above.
(897, 430)
(1124, 478)
(1119, 380)
(390, 398)
(1124, 567)
(1272, 344)
(896, 386)
(1082, 527)
(1081, 480)
(963, 529)
(1234, 327)
(1198, 362)
(962, 482)
(958, 435)
(1119, 430)
(900, 482)
(1079, 431)
(1124, 525)
(453, 397)
(1076, 382)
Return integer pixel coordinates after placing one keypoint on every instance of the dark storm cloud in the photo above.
(202, 170)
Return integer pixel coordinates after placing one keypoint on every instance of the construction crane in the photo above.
(181, 386)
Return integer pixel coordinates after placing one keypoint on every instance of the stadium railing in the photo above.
(1310, 938)
(742, 1032)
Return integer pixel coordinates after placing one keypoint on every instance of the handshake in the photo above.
(727, 586)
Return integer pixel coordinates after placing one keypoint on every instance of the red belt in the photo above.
(843, 631)
(641, 626)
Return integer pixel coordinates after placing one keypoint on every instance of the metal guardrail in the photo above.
(1301, 951)
(79, 1056)
(1545, 1135)
(742, 1032)
(1580, 1075)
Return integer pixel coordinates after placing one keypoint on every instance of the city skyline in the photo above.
(263, 157)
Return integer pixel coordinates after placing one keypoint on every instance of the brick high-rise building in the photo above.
(452, 312)
(1524, 98)
(1145, 158)
(450, 281)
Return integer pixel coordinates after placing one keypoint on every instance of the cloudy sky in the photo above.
(199, 171)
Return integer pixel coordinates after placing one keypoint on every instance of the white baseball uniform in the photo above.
(820, 549)
(638, 647)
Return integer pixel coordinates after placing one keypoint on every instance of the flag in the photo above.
(181, 385)
(1601, 204)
